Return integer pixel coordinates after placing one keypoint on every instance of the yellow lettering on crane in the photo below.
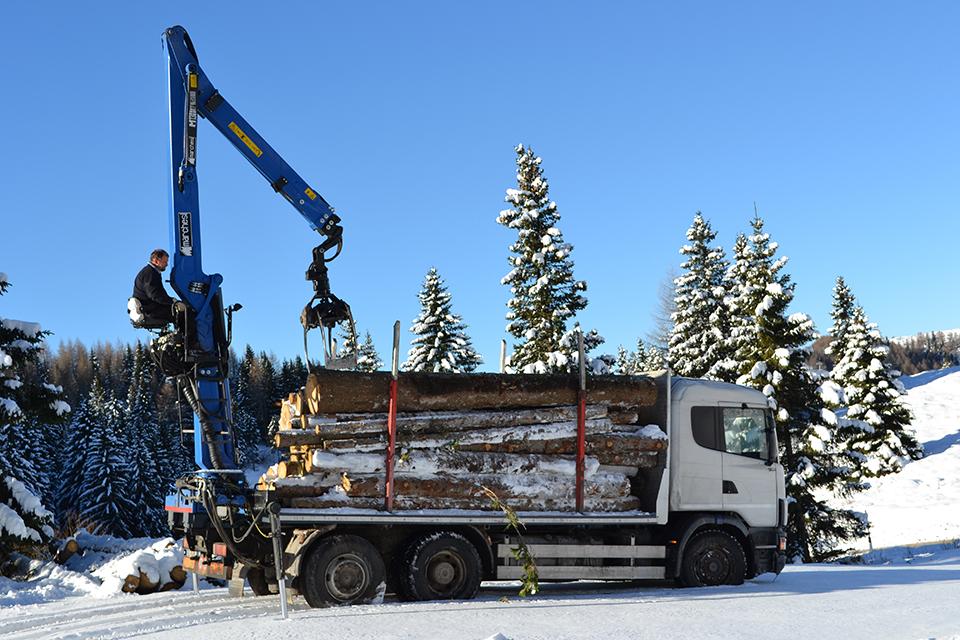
(246, 140)
(193, 81)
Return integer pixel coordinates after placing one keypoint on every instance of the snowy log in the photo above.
(146, 584)
(408, 503)
(130, 583)
(66, 551)
(177, 579)
(450, 461)
(448, 422)
(454, 486)
(330, 391)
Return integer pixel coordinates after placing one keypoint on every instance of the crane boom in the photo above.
(197, 354)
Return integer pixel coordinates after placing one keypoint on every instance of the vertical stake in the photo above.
(274, 510)
(503, 356)
(581, 421)
(392, 418)
(196, 582)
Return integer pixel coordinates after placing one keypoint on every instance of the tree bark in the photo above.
(329, 391)
(432, 423)
(402, 503)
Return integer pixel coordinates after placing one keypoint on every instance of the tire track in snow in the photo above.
(124, 620)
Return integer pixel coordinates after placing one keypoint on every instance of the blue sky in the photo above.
(838, 119)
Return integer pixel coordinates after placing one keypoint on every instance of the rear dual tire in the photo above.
(440, 566)
(343, 570)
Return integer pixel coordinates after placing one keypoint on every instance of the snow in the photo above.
(920, 504)
(12, 523)
(910, 595)
(29, 502)
(11, 407)
(29, 329)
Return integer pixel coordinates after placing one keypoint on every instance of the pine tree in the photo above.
(815, 463)
(150, 461)
(841, 313)
(882, 437)
(770, 355)
(440, 340)
(700, 321)
(25, 524)
(545, 295)
(105, 504)
(245, 430)
(367, 357)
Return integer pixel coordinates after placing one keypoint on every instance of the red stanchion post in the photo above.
(392, 419)
(581, 422)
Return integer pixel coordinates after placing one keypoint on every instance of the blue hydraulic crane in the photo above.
(196, 354)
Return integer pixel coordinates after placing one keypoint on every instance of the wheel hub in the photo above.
(346, 577)
(713, 567)
(445, 572)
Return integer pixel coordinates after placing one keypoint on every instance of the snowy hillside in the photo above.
(949, 335)
(922, 502)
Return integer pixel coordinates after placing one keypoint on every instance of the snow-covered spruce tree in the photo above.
(769, 354)
(700, 320)
(367, 357)
(545, 295)
(105, 504)
(882, 436)
(841, 313)
(25, 524)
(440, 340)
(245, 429)
(816, 463)
(149, 460)
(645, 358)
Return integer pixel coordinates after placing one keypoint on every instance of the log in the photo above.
(66, 551)
(330, 391)
(402, 503)
(146, 585)
(521, 434)
(450, 461)
(130, 583)
(288, 468)
(451, 486)
(177, 579)
(432, 423)
(311, 392)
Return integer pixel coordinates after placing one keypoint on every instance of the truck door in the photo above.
(749, 481)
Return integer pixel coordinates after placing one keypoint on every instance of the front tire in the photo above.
(440, 566)
(713, 558)
(342, 570)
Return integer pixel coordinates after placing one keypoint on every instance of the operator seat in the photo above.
(141, 321)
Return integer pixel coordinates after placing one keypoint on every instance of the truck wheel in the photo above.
(342, 570)
(712, 558)
(257, 580)
(440, 566)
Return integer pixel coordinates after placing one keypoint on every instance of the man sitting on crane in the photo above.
(155, 304)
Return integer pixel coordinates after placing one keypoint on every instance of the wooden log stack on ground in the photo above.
(514, 434)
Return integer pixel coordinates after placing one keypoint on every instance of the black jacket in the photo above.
(148, 289)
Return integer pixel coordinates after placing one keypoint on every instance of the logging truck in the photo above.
(703, 502)
(425, 485)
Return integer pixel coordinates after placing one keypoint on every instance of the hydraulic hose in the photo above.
(206, 427)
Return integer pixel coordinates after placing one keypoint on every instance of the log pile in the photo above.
(514, 434)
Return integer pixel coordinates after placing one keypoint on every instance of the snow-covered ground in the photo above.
(922, 502)
(901, 592)
(900, 600)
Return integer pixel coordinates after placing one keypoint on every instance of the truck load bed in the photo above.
(470, 443)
